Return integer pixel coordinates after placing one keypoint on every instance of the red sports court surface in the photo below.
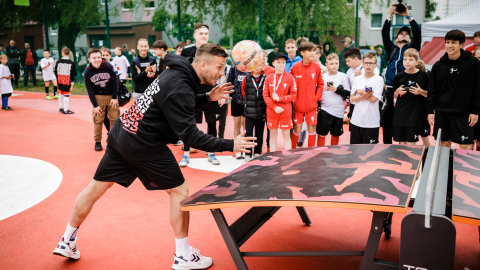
(130, 229)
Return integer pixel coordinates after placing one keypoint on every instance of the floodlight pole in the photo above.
(260, 22)
(107, 24)
(45, 25)
(356, 24)
(179, 36)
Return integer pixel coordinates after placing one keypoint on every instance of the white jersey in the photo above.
(332, 102)
(5, 84)
(351, 73)
(367, 114)
(122, 62)
(47, 72)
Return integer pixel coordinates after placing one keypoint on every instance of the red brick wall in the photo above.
(36, 31)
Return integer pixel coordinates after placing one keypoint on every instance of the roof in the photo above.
(120, 25)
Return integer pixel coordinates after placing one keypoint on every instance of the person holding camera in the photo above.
(395, 59)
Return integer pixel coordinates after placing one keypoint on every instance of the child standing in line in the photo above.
(65, 72)
(47, 64)
(279, 92)
(5, 82)
(336, 88)
(122, 62)
(426, 126)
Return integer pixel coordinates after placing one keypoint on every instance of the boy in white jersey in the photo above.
(366, 91)
(47, 64)
(122, 62)
(335, 89)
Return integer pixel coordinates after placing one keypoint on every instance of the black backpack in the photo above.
(124, 95)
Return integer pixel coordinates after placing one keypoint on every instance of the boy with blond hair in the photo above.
(6, 88)
(336, 89)
(292, 58)
(409, 85)
(309, 80)
(122, 63)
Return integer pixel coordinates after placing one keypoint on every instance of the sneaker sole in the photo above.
(65, 255)
(192, 267)
(214, 163)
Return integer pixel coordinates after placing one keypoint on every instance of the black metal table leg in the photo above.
(387, 225)
(304, 215)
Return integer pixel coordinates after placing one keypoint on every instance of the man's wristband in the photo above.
(408, 17)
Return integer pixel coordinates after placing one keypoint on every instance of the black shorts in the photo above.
(159, 171)
(359, 135)
(198, 115)
(237, 109)
(406, 134)
(327, 123)
(455, 128)
(476, 132)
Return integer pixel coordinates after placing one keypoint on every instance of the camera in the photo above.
(401, 7)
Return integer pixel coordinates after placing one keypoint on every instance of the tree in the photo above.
(163, 21)
(430, 8)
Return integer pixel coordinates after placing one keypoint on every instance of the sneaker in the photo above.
(299, 144)
(238, 155)
(98, 146)
(213, 159)
(8, 108)
(60, 110)
(194, 260)
(247, 158)
(70, 112)
(48, 98)
(67, 250)
(184, 162)
(55, 97)
(178, 143)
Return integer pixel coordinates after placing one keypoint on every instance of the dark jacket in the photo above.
(236, 77)
(396, 65)
(165, 113)
(342, 61)
(141, 80)
(100, 81)
(255, 107)
(23, 56)
(13, 54)
(454, 85)
(189, 52)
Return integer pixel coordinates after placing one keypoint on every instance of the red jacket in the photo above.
(287, 92)
(269, 70)
(309, 82)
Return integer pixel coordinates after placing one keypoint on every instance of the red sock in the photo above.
(335, 140)
(312, 139)
(478, 148)
(294, 140)
(321, 141)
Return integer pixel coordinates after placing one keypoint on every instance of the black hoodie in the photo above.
(454, 85)
(100, 81)
(165, 113)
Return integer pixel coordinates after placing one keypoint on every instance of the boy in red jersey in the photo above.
(279, 92)
(309, 80)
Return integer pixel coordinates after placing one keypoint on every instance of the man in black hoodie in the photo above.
(454, 93)
(137, 146)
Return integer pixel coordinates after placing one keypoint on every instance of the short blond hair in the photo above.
(290, 40)
(332, 56)
(3, 56)
(118, 48)
(105, 49)
(421, 65)
(411, 53)
(142, 39)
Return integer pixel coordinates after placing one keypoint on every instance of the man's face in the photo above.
(291, 48)
(403, 37)
(106, 56)
(477, 54)
(476, 40)
(453, 47)
(143, 47)
(189, 41)
(352, 62)
(279, 65)
(333, 65)
(409, 62)
(379, 51)
(27, 46)
(158, 52)
(12, 43)
(212, 69)
(318, 53)
(308, 55)
(46, 54)
(95, 59)
(179, 50)
(369, 64)
(201, 36)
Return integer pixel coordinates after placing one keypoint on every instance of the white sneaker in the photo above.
(213, 159)
(67, 250)
(238, 155)
(248, 158)
(178, 143)
(194, 260)
(184, 162)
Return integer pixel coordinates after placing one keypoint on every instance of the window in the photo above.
(53, 32)
(376, 21)
(149, 4)
(399, 19)
(127, 5)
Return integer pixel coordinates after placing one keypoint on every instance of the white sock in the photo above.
(182, 247)
(186, 153)
(70, 234)
(60, 101)
(67, 98)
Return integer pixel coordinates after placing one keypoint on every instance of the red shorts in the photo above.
(285, 123)
(310, 117)
(63, 92)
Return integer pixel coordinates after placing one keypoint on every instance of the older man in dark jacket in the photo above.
(13, 54)
(29, 62)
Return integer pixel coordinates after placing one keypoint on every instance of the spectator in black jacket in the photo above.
(453, 100)
(395, 66)
(29, 61)
(13, 54)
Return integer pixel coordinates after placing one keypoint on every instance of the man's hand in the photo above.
(472, 119)
(97, 111)
(114, 103)
(400, 91)
(151, 74)
(278, 110)
(221, 91)
(332, 88)
(241, 143)
(431, 119)
(393, 9)
(275, 97)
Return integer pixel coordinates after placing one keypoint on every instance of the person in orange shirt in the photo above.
(308, 77)
(279, 92)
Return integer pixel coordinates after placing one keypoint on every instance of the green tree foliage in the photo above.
(430, 8)
(163, 21)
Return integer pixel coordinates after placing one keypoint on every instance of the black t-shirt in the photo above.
(410, 108)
